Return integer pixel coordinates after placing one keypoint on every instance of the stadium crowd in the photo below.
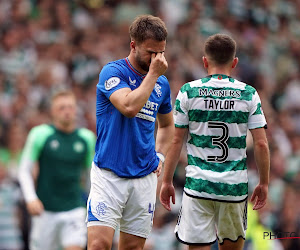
(48, 44)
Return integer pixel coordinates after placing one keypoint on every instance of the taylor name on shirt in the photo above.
(219, 104)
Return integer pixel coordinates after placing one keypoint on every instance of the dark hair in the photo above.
(148, 27)
(220, 49)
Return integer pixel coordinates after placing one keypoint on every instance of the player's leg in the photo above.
(137, 219)
(231, 220)
(100, 237)
(131, 242)
(106, 201)
(230, 245)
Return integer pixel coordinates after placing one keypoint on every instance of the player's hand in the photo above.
(159, 169)
(35, 207)
(166, 192)
(158, 65)
(259, 195)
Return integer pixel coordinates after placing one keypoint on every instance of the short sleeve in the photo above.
(256, 114)
(111, 79)
(181, 117)
(35, 141)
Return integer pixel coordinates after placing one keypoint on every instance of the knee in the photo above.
(99, 244)
(100, 238)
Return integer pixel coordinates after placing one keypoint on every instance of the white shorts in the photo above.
(56, 230)
(203, 221)
(121, 202)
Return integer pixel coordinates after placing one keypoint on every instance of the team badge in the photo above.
(78, 147)
(54, 144)
(101, 208)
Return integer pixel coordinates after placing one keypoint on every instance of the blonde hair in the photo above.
(61, 93)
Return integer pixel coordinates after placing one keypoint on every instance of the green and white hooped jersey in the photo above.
(218, 110)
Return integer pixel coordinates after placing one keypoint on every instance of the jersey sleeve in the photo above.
(111, 79)
(35, 141)
(31, 152)
(166, 106)
(90, 139)
(256, 115)
(181, 117)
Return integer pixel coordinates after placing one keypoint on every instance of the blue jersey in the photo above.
(125, 145)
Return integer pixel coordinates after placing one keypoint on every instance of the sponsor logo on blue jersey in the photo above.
(132, 82)
(157, 89)
(112, 82)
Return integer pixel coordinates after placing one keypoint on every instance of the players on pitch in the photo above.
(131, 94)
(215, 112)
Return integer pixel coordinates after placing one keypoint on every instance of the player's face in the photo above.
(145, 50)
(64, 110)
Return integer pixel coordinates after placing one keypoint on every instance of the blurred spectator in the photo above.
(11, 153)
(47, 44)
(257, 233)
(10, 195)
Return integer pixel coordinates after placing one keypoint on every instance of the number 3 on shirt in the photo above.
(220, 141)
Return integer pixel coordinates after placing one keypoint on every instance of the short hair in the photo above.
(148, 27)
(62, 93)
(220, 48)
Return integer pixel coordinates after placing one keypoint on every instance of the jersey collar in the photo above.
(220, 77)
(133, 69)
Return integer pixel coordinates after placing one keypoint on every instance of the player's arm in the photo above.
(262, 158)
(129, 102)
(25, 177)
(165, 132)
(167, 188)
